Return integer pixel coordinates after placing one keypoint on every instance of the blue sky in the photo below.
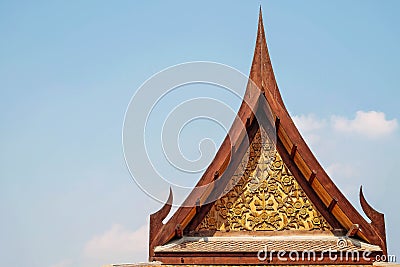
(69, 69)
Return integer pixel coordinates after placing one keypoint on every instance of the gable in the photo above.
(290, 208)
(265, 197)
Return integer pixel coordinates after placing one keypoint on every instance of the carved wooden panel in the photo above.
(264, 197)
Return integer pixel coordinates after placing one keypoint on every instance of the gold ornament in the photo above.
(264, 196)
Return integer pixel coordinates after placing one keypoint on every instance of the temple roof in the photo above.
(320, 204)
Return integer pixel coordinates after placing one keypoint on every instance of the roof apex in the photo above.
(261, 72)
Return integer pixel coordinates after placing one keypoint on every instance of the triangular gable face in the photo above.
(265, 197)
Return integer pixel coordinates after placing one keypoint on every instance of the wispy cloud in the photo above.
(309, 125)
(117, 245)
(342, 170)
(309, 122)
(346, 162)
(372, 124)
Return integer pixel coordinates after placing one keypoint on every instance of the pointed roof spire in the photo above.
(261, 72)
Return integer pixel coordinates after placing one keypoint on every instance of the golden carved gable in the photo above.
(265, 196)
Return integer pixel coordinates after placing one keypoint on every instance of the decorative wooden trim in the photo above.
(216, 175)
(156, 223)
(293, 151)
(353, 230)
(277, 123)
(377, 220)
(248, 122)
(198, 205)
(312, 177)
(332, 204)
(178, 231)
(213, 233)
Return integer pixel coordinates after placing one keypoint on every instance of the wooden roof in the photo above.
(262, 108)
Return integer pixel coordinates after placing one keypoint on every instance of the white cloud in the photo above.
(371, 124)
(341, 170)
(349, 163)
(308, 123)
(346, 177)
(118, 245)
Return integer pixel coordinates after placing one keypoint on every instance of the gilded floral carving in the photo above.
(264, 197)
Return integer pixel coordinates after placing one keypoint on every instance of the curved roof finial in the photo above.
(377, 219)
